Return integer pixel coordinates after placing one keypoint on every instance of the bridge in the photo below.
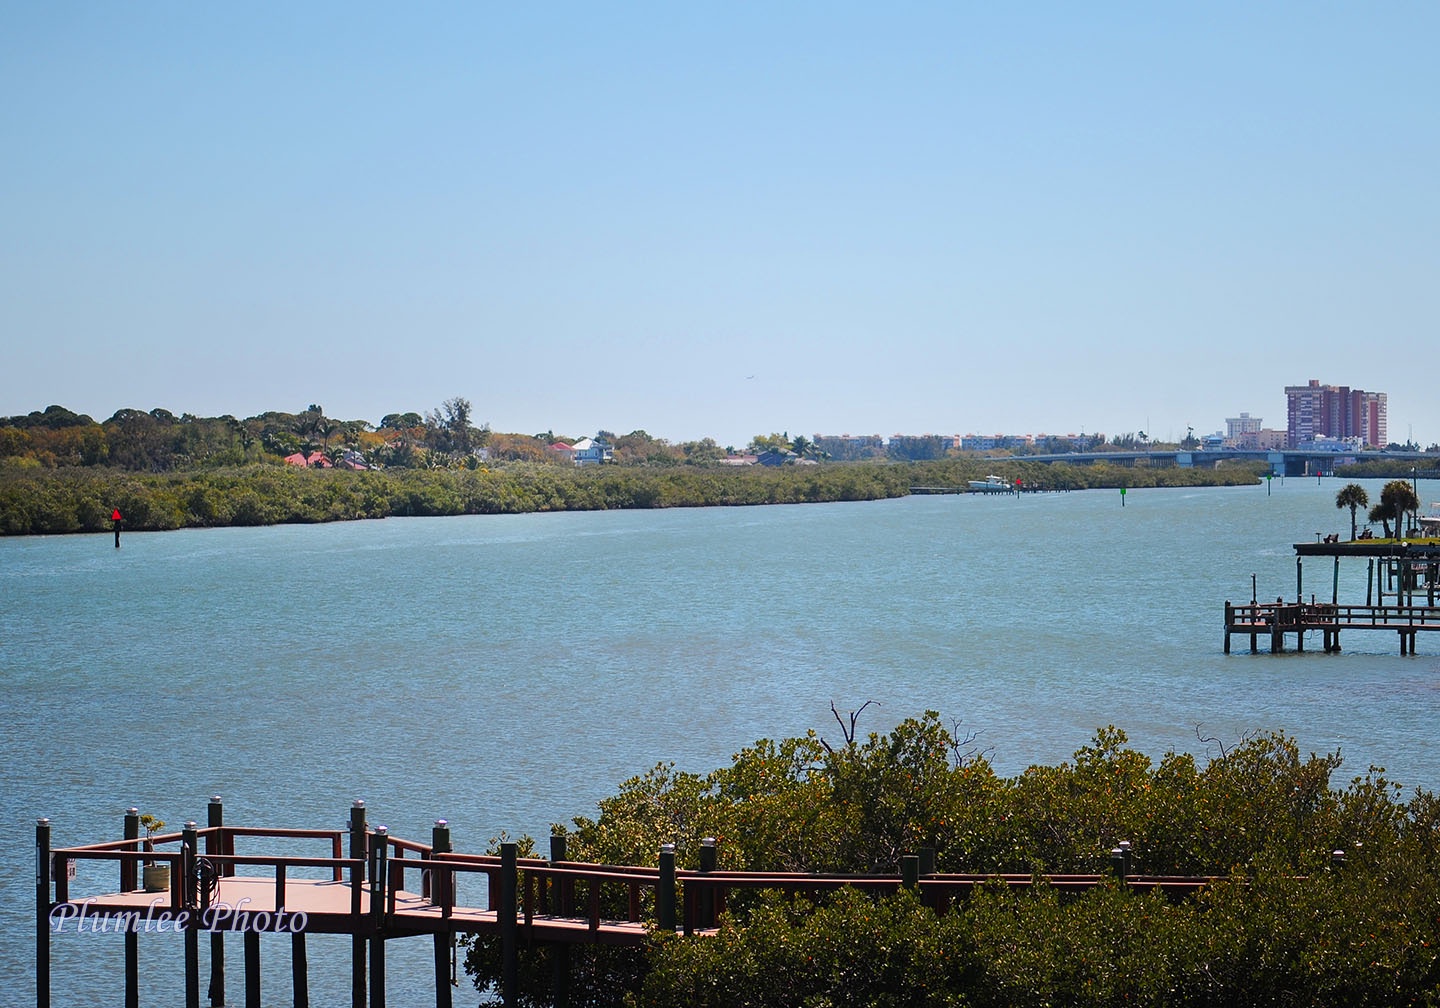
(1281, 462)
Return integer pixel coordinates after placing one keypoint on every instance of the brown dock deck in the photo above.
(391, 888)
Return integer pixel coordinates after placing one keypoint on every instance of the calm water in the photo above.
(507, 672)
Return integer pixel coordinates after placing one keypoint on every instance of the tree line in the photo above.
(82, 500)
(442, 438)
(36, 501)
(1320, 894)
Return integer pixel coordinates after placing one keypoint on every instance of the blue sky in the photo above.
(722, 219)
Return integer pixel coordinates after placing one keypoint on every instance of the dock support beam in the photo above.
(132, 969)
(42, 913)
(299, 970)
(129, 882)
(910, 871)
(440, 893)
(708, 858)
(561, 903)
(505, 917)
(251, 942)
(188, 843)
(665, 891)
(379, 898)
(357, 879)
(215, 844)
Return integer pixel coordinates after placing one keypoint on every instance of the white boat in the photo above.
(991, 484)
(1430, 523)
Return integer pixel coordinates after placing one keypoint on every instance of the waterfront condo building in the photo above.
(1237, 427)
(1334, 411)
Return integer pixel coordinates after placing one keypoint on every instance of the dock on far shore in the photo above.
(1400, 589)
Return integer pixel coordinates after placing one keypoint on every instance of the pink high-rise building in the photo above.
(1334, 411)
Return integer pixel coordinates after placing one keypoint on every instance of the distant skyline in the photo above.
(720, 220)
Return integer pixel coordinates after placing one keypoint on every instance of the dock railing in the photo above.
(390, 887)
(1278, 618)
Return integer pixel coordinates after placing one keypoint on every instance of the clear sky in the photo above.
(722, 219)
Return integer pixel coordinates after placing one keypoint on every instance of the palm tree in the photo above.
(1381, 513)
(1353, 496)
(1399, 497)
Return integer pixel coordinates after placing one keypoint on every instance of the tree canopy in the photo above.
(1283, 922)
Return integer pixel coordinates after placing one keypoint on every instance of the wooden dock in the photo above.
(1401, 583)
(1275, 620)
(377, 888)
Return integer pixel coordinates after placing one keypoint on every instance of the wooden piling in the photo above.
(188, 842)
(132, 968)
(506, 918)
(709, 856)
(357, 879)
(215, 845)
(379, 876)
(562, 902)
(926, 856)
(251, 942)
(1120, 857)
(129, 870)
(299, 970)
(665, 891)
(129, 882)
(909, 871)
(42, 913)
(439, 893)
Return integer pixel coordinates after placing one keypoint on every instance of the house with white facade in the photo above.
(588, 451)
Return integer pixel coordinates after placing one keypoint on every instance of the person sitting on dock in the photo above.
(1367, 534)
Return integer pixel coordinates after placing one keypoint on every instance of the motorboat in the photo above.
(1430, 523)
(991, 484)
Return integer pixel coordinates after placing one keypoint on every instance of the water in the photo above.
(507, 672)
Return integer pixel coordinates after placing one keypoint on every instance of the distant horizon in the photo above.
(375, 424)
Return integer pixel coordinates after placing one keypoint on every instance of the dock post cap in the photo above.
(132, 810)
(382, 830)
(708, 841)
(667, 848)
(42, 821)
(358, 803)
(215, 798)
(190, 824)
(442, 822)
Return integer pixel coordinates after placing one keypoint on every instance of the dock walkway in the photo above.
(1400, 596)
(376, 888)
